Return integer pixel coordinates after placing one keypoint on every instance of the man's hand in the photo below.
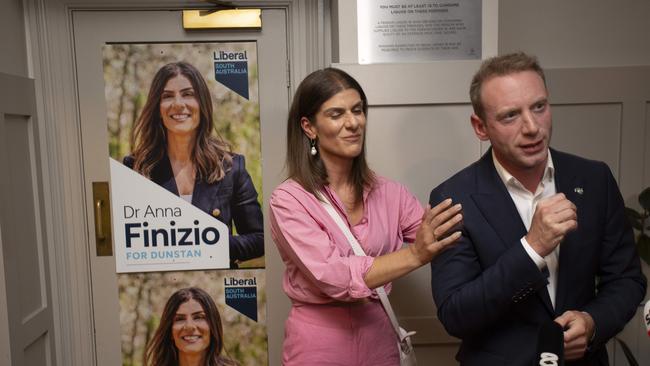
(578, 331)
(554, 217)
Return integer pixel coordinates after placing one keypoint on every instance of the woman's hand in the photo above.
(439, 229)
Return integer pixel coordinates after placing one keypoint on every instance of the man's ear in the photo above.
(480, 128)
(308, 128)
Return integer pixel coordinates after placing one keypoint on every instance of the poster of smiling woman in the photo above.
(186, 183)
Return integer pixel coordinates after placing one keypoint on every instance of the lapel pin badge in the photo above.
(578, 190)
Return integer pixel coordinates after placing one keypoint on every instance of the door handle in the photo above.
(99, 228)
(102, 213)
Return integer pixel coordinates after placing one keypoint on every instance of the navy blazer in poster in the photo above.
(232, 199)
(490, 293)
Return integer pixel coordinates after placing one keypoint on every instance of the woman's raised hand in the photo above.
(440, 228)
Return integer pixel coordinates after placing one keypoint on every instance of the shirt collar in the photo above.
(509, 179)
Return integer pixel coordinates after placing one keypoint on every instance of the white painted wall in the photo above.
(577, 33)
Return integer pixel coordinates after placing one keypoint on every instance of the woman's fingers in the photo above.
(435, 233)
(448, 226)
(435, 211)
(442, 244)
(438, 222)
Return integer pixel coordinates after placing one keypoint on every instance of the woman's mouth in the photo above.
(192, 338)
(352, 138)
(180, 117)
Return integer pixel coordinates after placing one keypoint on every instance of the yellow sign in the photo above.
(233, 18)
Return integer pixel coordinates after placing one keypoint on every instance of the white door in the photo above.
(92, 30)
(25, 291)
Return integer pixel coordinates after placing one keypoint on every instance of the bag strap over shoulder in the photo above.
(358, 250)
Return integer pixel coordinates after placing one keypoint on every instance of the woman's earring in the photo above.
(313, 150)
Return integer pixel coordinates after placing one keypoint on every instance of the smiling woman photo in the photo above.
(176, 145)
(190, 332)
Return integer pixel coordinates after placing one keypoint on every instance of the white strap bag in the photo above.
(406, 351)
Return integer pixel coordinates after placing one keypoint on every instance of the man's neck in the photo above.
(529, 178)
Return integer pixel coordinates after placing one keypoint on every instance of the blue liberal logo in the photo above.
(241, 295)
(231, 70)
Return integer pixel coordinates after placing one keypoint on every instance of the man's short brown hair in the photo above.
(500, 66)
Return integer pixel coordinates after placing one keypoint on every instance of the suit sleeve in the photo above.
(621, 285)
(128, 161)
(471, 297)
(246, 214)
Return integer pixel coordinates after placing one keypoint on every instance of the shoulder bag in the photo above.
(406, 351)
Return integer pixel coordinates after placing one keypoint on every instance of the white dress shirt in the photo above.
(526, 203)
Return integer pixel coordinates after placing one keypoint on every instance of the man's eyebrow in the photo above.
(502, 113)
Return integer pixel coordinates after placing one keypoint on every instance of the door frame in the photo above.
(51, 64)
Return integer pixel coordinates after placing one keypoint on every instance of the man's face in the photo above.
(517, 121)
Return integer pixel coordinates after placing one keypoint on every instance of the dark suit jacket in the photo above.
(234, 197)
(490, 294)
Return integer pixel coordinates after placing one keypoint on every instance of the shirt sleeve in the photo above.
(538, 259)
(411, 212)
(305, 242)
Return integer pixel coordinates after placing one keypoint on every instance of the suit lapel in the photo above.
(568, 183)
(164, 176)
(495, 203)
(203, 195)
(499, 210)
(206, 196)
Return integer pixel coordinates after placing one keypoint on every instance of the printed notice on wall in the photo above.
(392, 31)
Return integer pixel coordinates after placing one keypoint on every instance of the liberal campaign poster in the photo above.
(185, 156)
(226, 315)
(186, 193)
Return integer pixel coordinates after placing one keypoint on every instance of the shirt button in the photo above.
(216, 212)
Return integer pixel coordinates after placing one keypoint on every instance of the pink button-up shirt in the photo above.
(320, 264)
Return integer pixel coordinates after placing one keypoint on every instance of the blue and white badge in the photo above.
(231, 70)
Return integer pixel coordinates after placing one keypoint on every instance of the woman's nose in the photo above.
(178, 101)
(351, 120)
(189, 324)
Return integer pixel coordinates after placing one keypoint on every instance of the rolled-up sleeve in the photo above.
(318, 263)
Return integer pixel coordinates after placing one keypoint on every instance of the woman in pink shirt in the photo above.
(336, 318)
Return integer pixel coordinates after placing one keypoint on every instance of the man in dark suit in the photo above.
(544, 239)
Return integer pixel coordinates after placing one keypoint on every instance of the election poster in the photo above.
(186, 192)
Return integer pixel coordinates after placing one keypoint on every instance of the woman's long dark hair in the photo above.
(161, 350)
(211, 154)
(308, 170)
